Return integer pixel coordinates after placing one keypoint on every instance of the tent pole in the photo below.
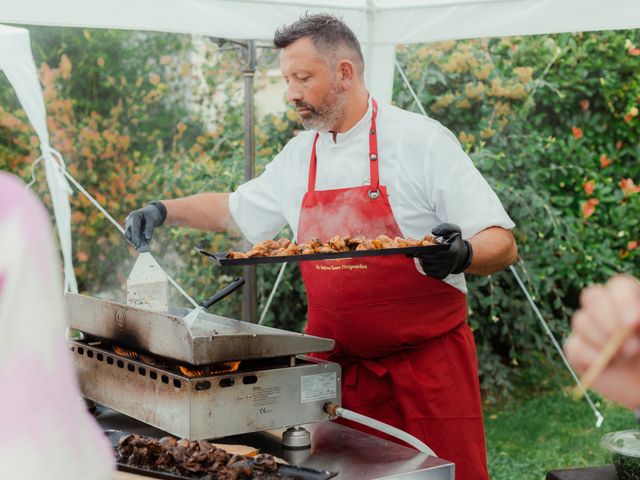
(250, 298)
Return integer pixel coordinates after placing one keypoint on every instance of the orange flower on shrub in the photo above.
(628, 187)
(632, 245)
(77, 216)
(633, 51)
(605, 161)
(65, 67)
(584, 104)
(619, 144)
(577, 132)
(589, 186)
(589, 207)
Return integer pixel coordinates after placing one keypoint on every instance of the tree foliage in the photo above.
(552, 122)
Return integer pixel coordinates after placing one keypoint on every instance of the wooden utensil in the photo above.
(602, 360)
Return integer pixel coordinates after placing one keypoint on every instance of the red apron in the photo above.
(407, 354)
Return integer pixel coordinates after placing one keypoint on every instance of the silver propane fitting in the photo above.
(296, 438)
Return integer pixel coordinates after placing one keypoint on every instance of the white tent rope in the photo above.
(33, 172)
(61, 168)
(545, 326)
(413, 93)
(273, 292)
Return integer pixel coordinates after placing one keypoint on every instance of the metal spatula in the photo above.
(148, 284)
(148, 287)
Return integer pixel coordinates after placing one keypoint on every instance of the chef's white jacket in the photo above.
(429, 179)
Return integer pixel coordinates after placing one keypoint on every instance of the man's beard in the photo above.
(326, 116)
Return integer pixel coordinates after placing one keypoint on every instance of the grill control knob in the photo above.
(296, 438)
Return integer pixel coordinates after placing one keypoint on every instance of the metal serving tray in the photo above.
(220, 258)
(293, 472)
(290, 472)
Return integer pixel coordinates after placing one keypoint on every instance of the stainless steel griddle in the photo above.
(212, 339)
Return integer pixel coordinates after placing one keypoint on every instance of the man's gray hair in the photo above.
(329, 35)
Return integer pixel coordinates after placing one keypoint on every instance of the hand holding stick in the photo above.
(604, 344)
(601, 362)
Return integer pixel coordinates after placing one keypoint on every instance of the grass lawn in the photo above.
(549, 432)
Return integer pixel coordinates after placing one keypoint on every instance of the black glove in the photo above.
(140, 224)
(455, 259)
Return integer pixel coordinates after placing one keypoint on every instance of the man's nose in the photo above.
(294, 93)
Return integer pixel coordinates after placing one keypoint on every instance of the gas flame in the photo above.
(187, 372)
(125, 352)
(224, 367)
(216, 369)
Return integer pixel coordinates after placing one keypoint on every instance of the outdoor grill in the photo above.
(160, 369)
(220, 377)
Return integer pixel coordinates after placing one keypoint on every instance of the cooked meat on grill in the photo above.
(292, 249)
(284, 242)
(365, 245)
(353, 242)
(312, 244)
(237, 255)
(338, 244)
(284, 247)
(193, 459)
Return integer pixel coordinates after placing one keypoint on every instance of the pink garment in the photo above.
(47, 432)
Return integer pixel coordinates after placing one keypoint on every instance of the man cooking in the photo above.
(366, 169)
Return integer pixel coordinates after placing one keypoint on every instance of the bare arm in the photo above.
(204, 211)
(493, 249)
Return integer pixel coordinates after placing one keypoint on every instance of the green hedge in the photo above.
(551, 121)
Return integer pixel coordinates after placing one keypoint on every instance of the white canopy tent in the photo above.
(379, 24)
(17, 63)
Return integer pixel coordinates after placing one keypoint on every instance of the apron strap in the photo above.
(374, 181)
(374, 192)
(312, 166)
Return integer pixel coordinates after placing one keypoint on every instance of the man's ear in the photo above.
(346, 73)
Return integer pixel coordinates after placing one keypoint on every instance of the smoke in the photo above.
(343, 217)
